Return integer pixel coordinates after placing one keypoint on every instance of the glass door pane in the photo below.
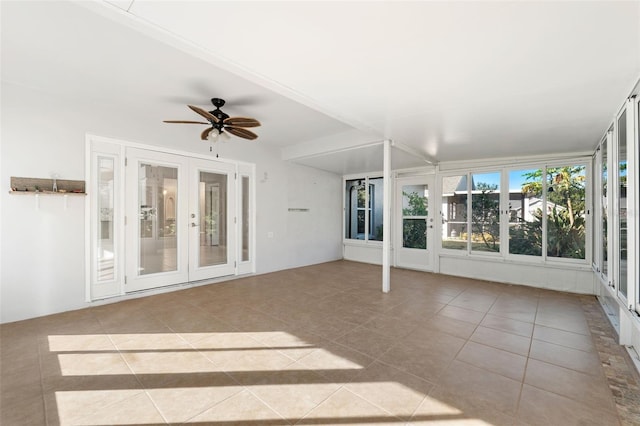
(156, 237)
(212, 219)
(414, 216)
(212, 189)
(157, 197)
(244, 211)
(106, 229)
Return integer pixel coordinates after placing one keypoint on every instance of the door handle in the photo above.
(193, 224)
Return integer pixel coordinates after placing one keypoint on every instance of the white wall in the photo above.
(43, 250)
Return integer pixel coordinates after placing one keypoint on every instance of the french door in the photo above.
(211, 220)
(415, 224)
(179, 219)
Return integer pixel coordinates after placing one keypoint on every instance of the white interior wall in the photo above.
(42, 267)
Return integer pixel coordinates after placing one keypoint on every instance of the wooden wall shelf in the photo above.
(33, 186)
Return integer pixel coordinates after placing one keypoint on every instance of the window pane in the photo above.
(566, 212)
(245, 218)
(454, 212)
(525, 212)
(376, 198)
(414, 200)
(354, 225)
(604, 262)
(157, 194)
(485, 212)
(414, 212)
(213, 219)
(414, 233)
(622, 211)
(105, 252)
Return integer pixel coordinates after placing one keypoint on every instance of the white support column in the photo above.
(386, 219)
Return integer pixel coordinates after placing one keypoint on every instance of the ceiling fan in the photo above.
(221, 124)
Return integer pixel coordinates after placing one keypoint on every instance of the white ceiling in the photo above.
(450, 80)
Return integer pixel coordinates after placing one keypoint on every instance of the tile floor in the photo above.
(315, 345)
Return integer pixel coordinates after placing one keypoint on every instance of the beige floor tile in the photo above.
(346, 408)
(249, 360)
(502, 340)
(474, 301)
(397, 392)
(183, 396)
(584, 388)
(149, 342)
(427, 360)
(169, 362)
(575, 359)
(240, 409)
(564, 338)
(457, 328)
(495, 360)
(135, 410)
(447, 410)
(25, 411)
(77, 343)
(461, 314)
(337, 363)
(542, 408)
(516, 308)
(564, 321)
(293, 394)
(391, 326)
(292, 342)
(475, 389)
(367, 341)
(509, 325)
(72, 406)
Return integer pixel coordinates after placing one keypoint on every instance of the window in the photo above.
(545, 207)
(622, 203)
(363, 208)
(552, 212)
(604, 261)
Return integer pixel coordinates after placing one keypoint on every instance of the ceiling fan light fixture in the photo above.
(214, 134)
(224, 136)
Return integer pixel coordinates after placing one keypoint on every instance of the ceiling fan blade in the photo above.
(240, 132)
(204, 113)
(185, 122)
(205, 133)
(242, 122)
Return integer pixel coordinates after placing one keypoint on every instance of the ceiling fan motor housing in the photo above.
(221, 116)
